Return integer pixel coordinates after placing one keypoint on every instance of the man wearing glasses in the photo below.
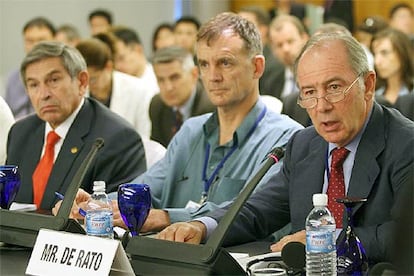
(336, 89)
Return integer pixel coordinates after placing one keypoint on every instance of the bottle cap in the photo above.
(99, 186)
(320, 200)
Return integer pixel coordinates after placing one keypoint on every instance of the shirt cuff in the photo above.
(210, 223)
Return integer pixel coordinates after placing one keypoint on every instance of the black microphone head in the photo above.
(99, 142)
(293, 255)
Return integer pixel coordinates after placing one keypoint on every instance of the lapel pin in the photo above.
(74, 150)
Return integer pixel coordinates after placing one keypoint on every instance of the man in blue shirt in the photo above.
(211, 157)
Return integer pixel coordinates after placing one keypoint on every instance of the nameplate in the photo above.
(62, 253)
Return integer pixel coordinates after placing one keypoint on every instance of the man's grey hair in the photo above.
(356, 55)
(236, 24)
(174, 53)
(72, 60)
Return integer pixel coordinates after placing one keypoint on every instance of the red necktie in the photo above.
(336, 185)
(43, 169)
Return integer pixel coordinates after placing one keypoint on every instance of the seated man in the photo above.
(181, 94)
(337, 90)
(56, 81)
(210, 158)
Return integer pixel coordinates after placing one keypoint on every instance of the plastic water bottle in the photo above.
(98, 219)
(320, 239)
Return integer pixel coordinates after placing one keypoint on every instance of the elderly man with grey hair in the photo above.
(49, 146)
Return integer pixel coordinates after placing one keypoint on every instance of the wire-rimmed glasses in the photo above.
(331, 97)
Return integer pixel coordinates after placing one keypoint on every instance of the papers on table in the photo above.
(24, 207)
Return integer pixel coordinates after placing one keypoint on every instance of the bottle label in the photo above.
(320, 242)
(99, 225)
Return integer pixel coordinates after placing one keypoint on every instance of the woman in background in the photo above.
(394, 64)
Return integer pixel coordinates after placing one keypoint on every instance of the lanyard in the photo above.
(214, 176)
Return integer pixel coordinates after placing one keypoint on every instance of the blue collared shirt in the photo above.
(178, 177)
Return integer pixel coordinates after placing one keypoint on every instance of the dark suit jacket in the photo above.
(162, 116)
(269, 83)
(405, 104)
(277, 81)
(383, 165)
(120, 160)
(294, 111)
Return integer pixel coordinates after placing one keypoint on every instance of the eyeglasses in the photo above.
(332, 96)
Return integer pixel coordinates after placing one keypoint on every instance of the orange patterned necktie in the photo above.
(336, 185)
(43, 169)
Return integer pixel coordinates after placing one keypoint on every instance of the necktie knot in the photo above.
(52, 138)
(338, 157)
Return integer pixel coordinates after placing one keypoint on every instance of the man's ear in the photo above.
(83, 79)
(259, 63)
(369, 81)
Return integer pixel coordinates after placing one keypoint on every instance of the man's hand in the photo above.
(190, 232)
(156, 221)
(80, 202)
(296, 237)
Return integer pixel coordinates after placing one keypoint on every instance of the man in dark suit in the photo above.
(287, 36)
(337, 90)
(181, 93)
(56, 81)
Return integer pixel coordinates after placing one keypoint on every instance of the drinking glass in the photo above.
(9, 185)
(134, 202)
(350, 252)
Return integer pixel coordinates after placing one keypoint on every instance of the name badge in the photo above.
(62, 253)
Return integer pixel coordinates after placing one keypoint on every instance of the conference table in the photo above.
(14, 259)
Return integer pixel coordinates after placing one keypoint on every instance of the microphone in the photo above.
(153, 256)
(21, 228)
(293, 255)
(217, 237)
(72, 190)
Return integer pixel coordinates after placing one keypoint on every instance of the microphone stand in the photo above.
(20, 228)
(153, 256)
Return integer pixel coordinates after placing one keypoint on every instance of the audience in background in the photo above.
(394, 64)
(163, 36)
(339, 12)
(289, 7)
(401, 17)
(100, 21)
(68, 34)
(35, 30)
(122, 93)
(129, 58)
(287, 37)
(273, 67)
(56, 79)
(6, 121)
(185, 31)
(364, 32)
(181, 94)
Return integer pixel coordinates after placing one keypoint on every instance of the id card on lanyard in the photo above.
(214, 176)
